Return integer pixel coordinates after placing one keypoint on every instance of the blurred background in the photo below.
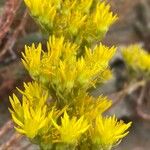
(132, 103)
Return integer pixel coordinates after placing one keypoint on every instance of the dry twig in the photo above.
(140, 100)
(128, 89)
(11, 141)
(8, 125)
(6, 19)
(12, 40)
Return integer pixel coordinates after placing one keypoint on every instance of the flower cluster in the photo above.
(62, 71)
(74, 126)
(106, 132)
(39, 118)
(81, 21)
(31, 115)
(137, 60)
(56, 110)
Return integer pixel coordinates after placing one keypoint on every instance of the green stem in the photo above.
(65, 147)
(98, 147)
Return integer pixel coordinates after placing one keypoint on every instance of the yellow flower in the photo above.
(43, 10)
(28, 121)
(75, 21)
(31, 59)
(78, 21)
(100, 53)
(35, 93)
(71, 129)
(103, 17)
(33, 62)
(91, 107)
(32, 114)
(58, 50)
(137, 59)
(98, 60)
(99, 21)
(32, 117)
(17, 111)
(85, 6)
(62, 71)
(107, 131)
